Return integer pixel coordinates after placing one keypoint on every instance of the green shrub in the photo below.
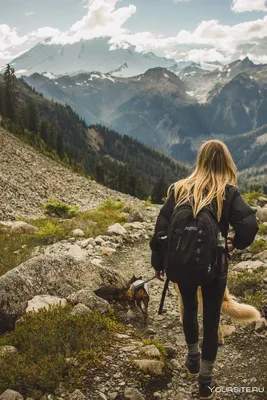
(258, 246)
(54, 346)
(59, 209)
(262, 229)
(251, 197)
(111, 204)
(245, 283)
(51, 231)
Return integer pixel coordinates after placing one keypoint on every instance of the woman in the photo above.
(213, 180)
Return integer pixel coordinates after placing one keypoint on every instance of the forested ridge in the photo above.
(118, 161)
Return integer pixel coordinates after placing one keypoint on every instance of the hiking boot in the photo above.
(207, 390)
(192, 365)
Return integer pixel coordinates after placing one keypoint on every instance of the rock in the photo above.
(22, 227)
(80, 309)
(99, 240)
(262, 201)
(77, 395)
(136, 215)
(63, 269)
(170, 350)
(78, 233)
(260, 256)
(151, 351)
(134, 225)
(7, 349)
(261, 325)
(262, 214)
(90, 300)
(113, 395)
(11, 395)
(152, 367)
(116, 229)
(44, 301)
(133, 394)
(248, 264)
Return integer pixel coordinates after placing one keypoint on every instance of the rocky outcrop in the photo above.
(63, 269)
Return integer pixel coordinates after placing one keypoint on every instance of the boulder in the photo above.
(262, 214)
(11, 395)
(136, 214)
(23, 228)
(134, 225)
(80, 309)
(78, 233)
(90, 300)
(63, 269)
(116, 229)
(77, 395)
(152, 367)
(44, 301)
(260, 256)
(248, 265)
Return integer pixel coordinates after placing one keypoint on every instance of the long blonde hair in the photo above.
(215, 169)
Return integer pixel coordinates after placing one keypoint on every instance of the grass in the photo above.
(17, 248)
(54, 346)
(248, 285)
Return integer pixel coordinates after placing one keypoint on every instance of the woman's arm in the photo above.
(243, 220)
(161, 228)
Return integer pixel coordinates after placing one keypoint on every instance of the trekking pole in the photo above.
(166, 285)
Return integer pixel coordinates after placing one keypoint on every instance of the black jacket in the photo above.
(235, 212)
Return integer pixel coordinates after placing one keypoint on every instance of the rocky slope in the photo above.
(112, 260)
(28, 179)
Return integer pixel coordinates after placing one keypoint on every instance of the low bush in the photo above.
(252, 197)
(59, 209)
(51, 231)
(248, 285)
(54, 346)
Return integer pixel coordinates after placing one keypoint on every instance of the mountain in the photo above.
(85, 56)
(106, 156)
(144, 106)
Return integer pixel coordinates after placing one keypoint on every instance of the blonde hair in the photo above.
(215, 169)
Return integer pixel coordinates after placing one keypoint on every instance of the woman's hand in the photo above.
(230, 244)
(159, 275)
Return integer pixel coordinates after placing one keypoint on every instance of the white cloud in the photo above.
(102, 19)
(249, 5)
(29, 13)
(180, 1)
(45, 32)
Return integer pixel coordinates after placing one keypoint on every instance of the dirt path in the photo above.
(241, 362)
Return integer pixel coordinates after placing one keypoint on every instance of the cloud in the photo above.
(45, 32)
(29, 13)
(102, 19)
(249, 5)
(180, 1)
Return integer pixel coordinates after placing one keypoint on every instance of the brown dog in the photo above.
(238, 312)
(135, 293)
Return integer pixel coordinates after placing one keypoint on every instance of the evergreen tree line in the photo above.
(122, 163)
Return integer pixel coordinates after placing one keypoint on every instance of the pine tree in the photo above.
(159, 191)
(9, 94)
(33, 117)
(60, 146)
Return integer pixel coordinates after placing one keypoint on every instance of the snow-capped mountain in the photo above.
(86, 56)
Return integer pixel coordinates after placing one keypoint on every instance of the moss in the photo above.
(262, 229)
(54, 346)
(159, 346)
(258, 246)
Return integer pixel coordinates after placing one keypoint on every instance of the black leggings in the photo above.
(212, 300)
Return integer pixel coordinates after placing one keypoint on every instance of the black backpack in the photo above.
(192, 245)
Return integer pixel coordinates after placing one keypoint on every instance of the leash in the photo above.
(166, 287)
(143, 283)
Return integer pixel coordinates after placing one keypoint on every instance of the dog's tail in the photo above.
(239, 312)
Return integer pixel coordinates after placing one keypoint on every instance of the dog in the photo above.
(135, 293)
(239, 313)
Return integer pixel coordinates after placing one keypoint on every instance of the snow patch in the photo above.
(21, 72)
(191, 93)
(49, 75)
(166, 76)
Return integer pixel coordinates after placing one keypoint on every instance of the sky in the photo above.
(194, 30)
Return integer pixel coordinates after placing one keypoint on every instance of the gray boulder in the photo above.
(11, 395)
(89, 299)
(63, 269)
(262, 214)
(23, 227)
(136, 215)
(262, 201)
